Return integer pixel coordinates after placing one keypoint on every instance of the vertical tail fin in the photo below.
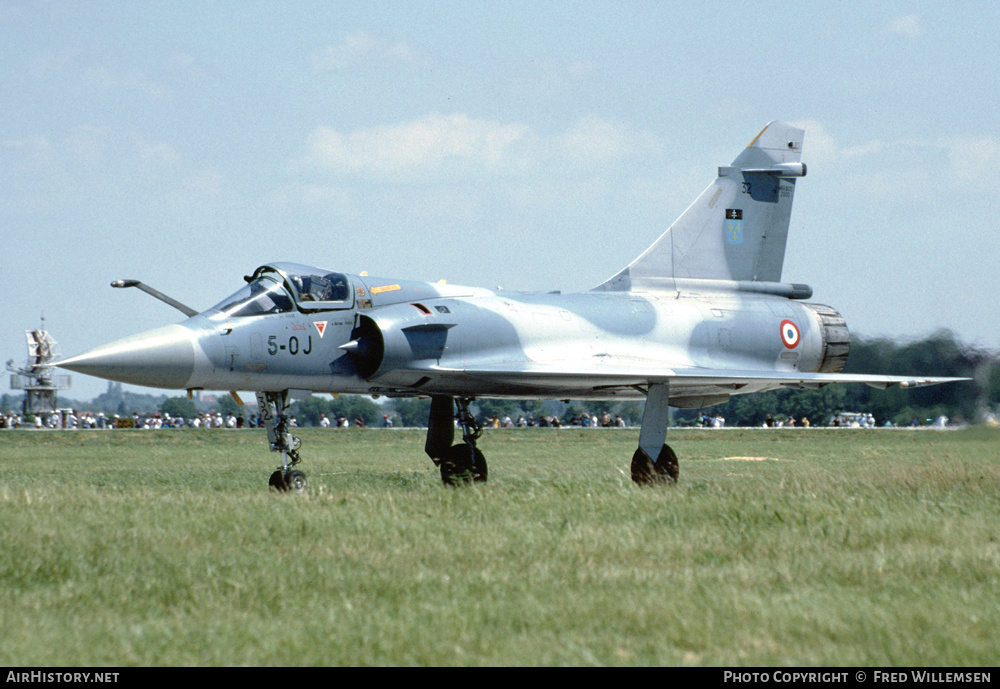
(736, 230)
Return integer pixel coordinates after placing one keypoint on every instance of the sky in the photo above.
(534, 145)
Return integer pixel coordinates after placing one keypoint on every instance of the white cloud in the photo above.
(50, 64)
(88, 144)
(907, 25)
(594, 140)
(332, 197)
(180, 60)
(428, 144)
(554, 81)
(34, 152)
(101, 79)
(458, 143)
(819, 146)
(969, 163)
(89, 162)
(208, 183)
(362, 48)
(975, 159)
(156, 152)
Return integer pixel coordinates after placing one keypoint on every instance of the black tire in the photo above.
(463, 464)
(646, 473)
(277, 482)
(296, 481)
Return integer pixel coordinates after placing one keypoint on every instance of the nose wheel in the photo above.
(294, 481)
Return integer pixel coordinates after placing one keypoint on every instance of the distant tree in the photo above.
(412, 411)
(631, 412)
(11, 402)
(111, 399)
(132, 401)
(490, 407)
(179, 406)
(940, 354)
(308, 411)
(533, 409)
(353, 405)
(227, 405)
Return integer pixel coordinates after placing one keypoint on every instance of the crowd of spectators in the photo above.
(86, 420)
(583, 420)
(71, 419)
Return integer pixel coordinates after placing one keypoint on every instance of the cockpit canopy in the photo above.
(285, 287)
(331, 287)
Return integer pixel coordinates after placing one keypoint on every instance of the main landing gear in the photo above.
(653, 462)
(463, 463)
(273, 412)
(460, 463)
(663, 469)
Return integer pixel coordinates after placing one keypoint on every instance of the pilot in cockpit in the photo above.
(332, 287)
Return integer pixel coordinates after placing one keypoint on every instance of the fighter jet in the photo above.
(700, 316)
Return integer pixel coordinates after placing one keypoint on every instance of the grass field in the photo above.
(778, 547)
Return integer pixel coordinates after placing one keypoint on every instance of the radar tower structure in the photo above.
(36, 378)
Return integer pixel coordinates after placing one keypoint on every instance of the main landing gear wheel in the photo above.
(646, 473)
(294, 481)
(463, 464)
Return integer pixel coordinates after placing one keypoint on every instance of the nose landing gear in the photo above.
(273, 412)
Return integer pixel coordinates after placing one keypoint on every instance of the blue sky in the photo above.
(533, 145)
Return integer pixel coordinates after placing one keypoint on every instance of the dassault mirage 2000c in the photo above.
(701, 315)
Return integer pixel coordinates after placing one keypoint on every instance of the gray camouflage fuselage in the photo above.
(423, 338)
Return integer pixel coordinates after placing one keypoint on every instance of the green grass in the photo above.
(846, 547)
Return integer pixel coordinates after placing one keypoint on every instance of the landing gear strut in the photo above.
(654, 462)
(463, 462)
(273, 412)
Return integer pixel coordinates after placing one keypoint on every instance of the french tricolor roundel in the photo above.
(790, 334)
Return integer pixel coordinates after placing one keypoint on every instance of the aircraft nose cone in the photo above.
(161, 358)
